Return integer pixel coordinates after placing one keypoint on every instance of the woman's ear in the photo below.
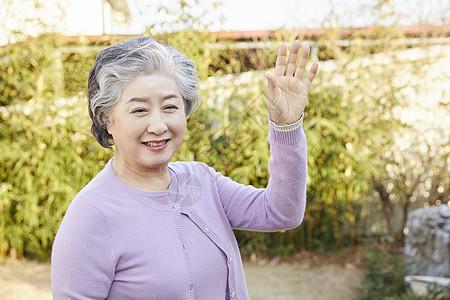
(107, 120)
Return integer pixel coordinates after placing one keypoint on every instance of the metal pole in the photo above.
(103, 17)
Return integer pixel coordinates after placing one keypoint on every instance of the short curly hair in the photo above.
(119, 64)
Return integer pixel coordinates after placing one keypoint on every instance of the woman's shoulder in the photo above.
(99, 180)
(190, 166)
(193, 171)
(95, 189)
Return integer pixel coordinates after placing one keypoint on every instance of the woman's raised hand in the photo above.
(287, 91)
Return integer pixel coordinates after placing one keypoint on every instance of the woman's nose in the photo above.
(156, 124)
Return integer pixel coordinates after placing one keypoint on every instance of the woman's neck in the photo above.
(147, 180)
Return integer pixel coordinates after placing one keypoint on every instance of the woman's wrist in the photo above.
(288, 127)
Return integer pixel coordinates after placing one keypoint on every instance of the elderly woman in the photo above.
(147, 228)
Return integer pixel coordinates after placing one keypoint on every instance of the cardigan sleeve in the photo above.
(279, 206)
(83, 255)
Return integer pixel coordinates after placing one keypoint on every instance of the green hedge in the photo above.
(47, 153)
(26, 71)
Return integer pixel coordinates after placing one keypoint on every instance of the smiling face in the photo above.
(147, 124)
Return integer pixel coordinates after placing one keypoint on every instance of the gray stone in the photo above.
(427, 244)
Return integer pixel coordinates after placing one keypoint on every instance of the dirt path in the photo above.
(301, 281)
(24, 280)
(302, 278)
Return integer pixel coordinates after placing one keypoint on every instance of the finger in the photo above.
(302, 62)
(281, 60)
(292, 60)
(311, 74)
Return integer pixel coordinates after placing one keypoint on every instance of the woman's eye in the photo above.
(139, 111)
(171, 108)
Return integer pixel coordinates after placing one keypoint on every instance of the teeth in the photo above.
(152, 144)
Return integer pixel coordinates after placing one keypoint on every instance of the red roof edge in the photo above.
(409, 30)
(307, 33)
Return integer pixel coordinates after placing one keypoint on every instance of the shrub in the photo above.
(47, 154)
(386, 271)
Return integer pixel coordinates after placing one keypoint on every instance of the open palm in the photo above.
(287, 91)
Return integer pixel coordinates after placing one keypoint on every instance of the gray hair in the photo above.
(119, 64)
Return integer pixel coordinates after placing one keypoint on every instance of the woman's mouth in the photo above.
(155, 143)
(156, 146)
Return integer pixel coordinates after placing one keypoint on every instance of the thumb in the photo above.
(271, 87)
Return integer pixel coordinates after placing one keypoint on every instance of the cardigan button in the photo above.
(206, 229)
(177, 205)
(233, 294)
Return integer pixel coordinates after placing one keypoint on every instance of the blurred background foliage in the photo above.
(352, 121)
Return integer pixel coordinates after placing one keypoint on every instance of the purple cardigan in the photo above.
(116, 242)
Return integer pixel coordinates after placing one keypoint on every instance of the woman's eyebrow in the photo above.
(137, 99)
(169, 96)
(145, 100)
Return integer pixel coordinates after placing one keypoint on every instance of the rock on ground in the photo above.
(427, 244)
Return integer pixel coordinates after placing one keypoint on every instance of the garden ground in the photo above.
(304, 276)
